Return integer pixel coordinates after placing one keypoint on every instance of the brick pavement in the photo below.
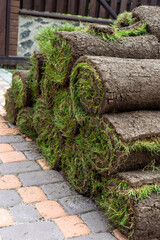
(36, 203)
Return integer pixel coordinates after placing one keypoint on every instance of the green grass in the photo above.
(18, 91)
(10, 106)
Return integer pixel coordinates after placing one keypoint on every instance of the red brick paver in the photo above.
(9, 181)
(50, 209)
(44, 164)
(32, 194)
(72, 226)
(14, 156)
(6, 148)
(5, 218)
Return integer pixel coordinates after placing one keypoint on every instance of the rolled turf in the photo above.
(10, 106)
(102, 85)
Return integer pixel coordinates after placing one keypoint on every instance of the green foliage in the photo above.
(25, 122)
(18, 92)
(124, 19)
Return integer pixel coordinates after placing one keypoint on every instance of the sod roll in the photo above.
(35, 74)
(132, 201)
(103, 85)
(25, 122)
(20, 90)
(151, 15)
(10, 106)
(98, 147)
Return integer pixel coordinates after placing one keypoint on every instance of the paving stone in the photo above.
(44, 164)
(58, 190)
(33, 155)
(32, 194)
(11, 139)
(50, 209)
(11, 125)
(24, 213)
(96, 236)
(24, 146)
(14, 156)
(9, 198)
(95, 221)
(6, 148)
(119, 236)
(72, 226)
(19, 167)
(32, 231)
(77, 204)
(9, 181)
(40, 177)
(5, 218)
(9, 131)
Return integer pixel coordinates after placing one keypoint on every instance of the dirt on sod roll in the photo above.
(50, 142)
(103, 85)
(151, 15)
(98, 148)
(25, 122)
(10, 106)
(20, 90)
(35, 74)
(132, 202)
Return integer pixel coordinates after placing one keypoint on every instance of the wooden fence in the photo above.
(92, 8)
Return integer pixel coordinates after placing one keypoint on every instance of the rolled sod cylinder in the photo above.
(50, 142)
(151, 15)
(35, 74)
(10, 106)
(42, 116)
(69, 46)
(21, 92)
(25, 122)
(64, 119)
(118, 142)
(132, 202)
(103, 85)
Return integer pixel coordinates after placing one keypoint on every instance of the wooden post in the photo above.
(3, 17)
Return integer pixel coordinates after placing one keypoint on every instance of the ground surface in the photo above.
(36, 203)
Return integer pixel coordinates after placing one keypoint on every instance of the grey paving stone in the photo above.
(19, 167)
(97, 236)
(57, 190)
(95, 221)
(24, 213)
(33, 155)
(24, 146)
(11, 125)
(77, 204)
(32, 231)
(9, 198)
(40, 177)
(11, 139)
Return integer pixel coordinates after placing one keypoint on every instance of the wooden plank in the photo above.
(83, 7)
(123, 6)
(94, 8)
(144, 2)
(154, 2)
(15, 3)
(27, 4)
(102, 12)
(73, 7)
(39, 5)
(62, 6)
(114, 5)
(50, 5)
(14, 9)
(133, 4)
(3, 7)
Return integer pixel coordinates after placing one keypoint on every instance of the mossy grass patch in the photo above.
(124, 19)
(25, 122)
(10, 107)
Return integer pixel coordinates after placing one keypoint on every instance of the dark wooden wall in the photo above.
(3, 17)
(84, 7)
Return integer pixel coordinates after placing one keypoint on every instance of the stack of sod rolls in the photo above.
(91, 102)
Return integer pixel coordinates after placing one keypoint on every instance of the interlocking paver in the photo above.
(11, 139)
(24, 146)
(3, 125)
(19, 167)
(96, 236)
(32, 231)
(9, 182)
(33, 155)
(50, 209)
(58, 190)
(72, 226)
(32, 194)
(44, 164)
(6, 148)
(95, 221)
(24, 213)
(5, 218)
(10, 131)
(14, 156)
(77, 204)
(40, 177)
(9, 198)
